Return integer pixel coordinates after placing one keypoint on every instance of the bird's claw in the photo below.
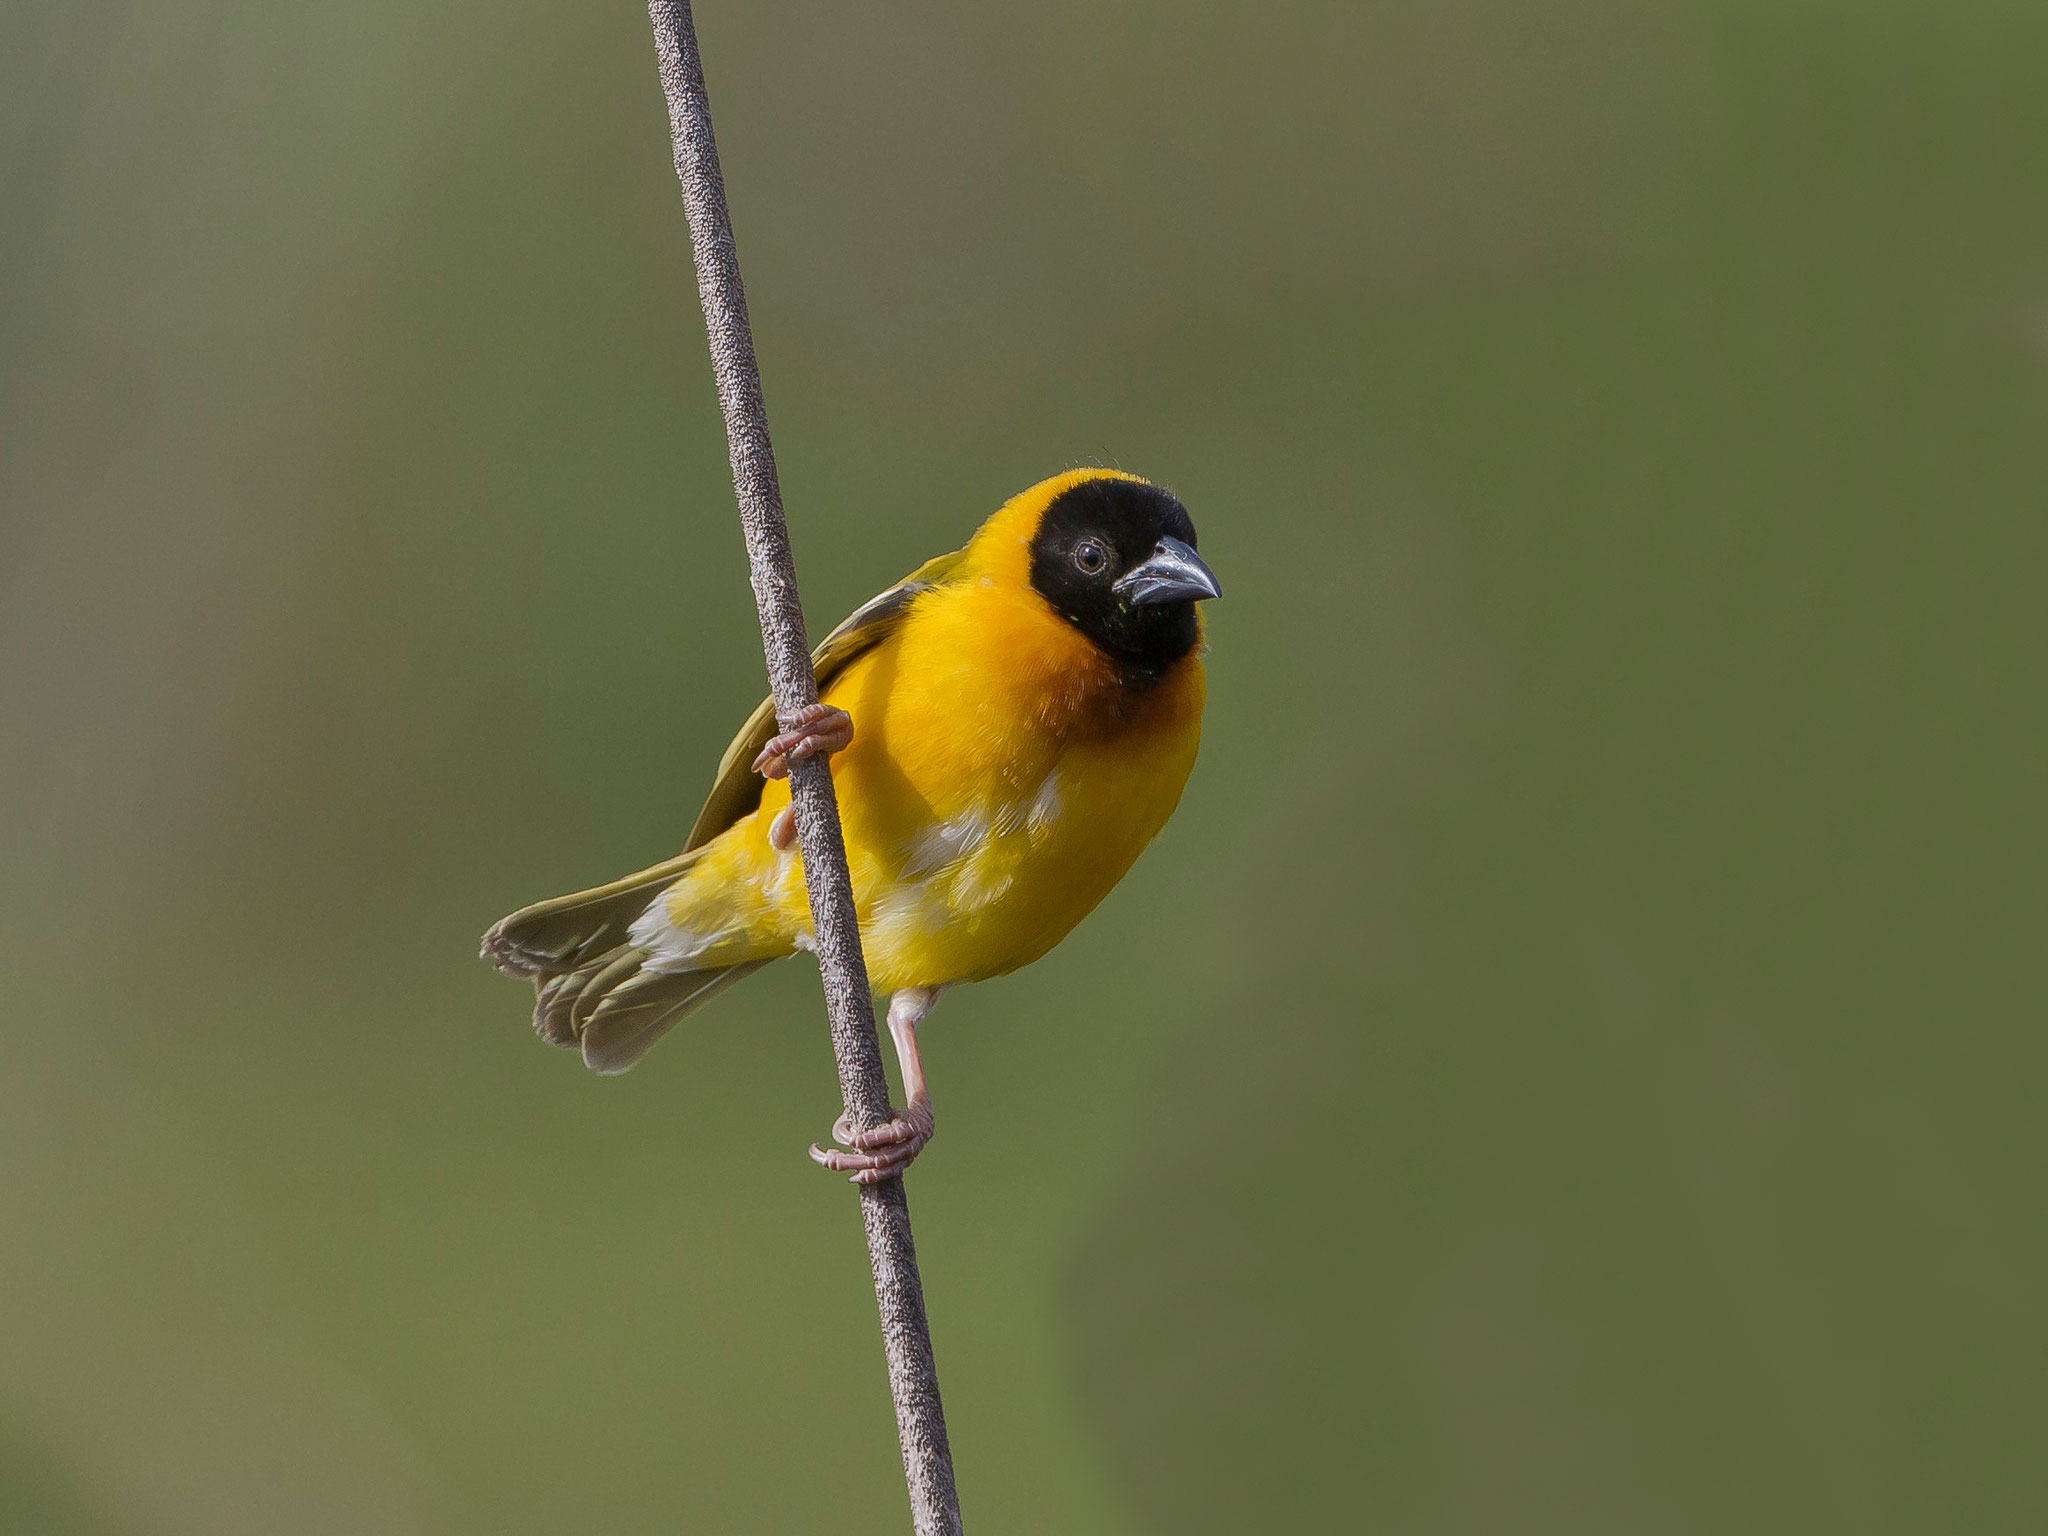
(881, 1153)
(818, 728)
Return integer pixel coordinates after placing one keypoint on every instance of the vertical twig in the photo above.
(899, 1293)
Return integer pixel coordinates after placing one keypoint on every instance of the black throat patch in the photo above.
(1091, 536)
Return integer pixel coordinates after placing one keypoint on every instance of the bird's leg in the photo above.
(817, 728)
(890, 1147)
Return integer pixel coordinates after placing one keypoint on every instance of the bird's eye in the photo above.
(1090, 557)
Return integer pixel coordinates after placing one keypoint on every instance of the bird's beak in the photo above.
(1174, 574)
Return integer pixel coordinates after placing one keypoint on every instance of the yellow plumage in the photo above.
(1000, 781)
(1022, 726)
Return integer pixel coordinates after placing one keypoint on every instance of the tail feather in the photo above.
(563, 1002)
(592, 988)
(553, 937)
(638, 1012)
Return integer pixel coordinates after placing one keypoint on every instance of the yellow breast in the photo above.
(1002, 778)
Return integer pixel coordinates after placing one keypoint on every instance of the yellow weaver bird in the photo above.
(1009, 726)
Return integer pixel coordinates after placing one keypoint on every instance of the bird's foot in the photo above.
(881, 1153)
(819, 728)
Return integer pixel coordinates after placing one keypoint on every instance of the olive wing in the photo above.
(737, 790)
(576, 937)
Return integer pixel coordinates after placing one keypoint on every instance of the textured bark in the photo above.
(906, 1336)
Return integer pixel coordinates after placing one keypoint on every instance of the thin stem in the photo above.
(885, 1213)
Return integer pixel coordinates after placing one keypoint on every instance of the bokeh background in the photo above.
(1574, 1063)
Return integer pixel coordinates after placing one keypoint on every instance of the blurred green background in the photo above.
(1573, 1064)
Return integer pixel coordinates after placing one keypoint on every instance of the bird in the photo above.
(1007, 728)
